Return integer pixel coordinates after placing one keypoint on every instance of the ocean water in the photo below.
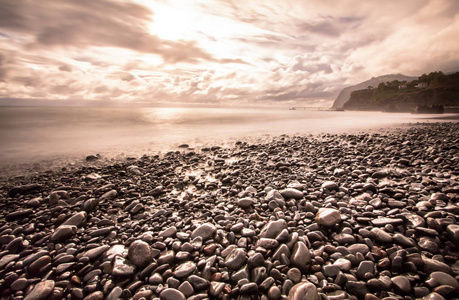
(31, 134)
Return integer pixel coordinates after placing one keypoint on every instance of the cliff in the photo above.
(345, 94)
(425, 92)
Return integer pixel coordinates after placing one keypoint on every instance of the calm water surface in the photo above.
(29, 134)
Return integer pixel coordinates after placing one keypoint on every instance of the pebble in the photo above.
(236, 259)
(205, 231)
(304, 290)
(41, 290)
(185, 269)
(292, 193)
(347, 216)
(328, 216)
(140, 253)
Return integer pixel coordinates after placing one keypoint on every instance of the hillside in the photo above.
(345, 94)
(428, 90)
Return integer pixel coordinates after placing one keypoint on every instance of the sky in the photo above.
(217, 52)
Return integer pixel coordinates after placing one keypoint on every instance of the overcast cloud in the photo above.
(218, 52)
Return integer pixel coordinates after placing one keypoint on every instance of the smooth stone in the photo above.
(236, 259)
(452, 231)
(98, 295)
(185, 269)
(359, 248)
(216, 288)
(256, 260)
(19, 284)
(274, 196)
(77, 219)
(35, 266)
(331, 270)
(267, 243)
(433, 296)
(122, 267)
(155, 279)
(442, 278)
(432, 265)
(115, 293)
(289, 193)
(274, 293)
(205, 231)
(198, 283)
(343, 264)
(381, 222)
(330, 185)
(7, 259)
(364, 267)
(166, 257)
(94, 253)
(248, 288)
(304, 290)
(140, 253)
(245, 203)
(168, 232)
(344, 238)
(294, 274)
(24, 189)
(381, 235)
(272, 229)
(300, 258)
(62, 233)
(402, 284)
(404, 241)
(186, 289)
(258, 275)
(328, 216)
(41, 290)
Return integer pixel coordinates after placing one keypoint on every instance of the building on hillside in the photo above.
(402, 87)
(422, 85)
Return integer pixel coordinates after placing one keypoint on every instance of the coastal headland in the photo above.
(330, 216)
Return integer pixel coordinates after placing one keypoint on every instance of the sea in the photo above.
(35, 134)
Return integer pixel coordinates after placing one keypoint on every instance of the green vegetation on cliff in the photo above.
(433, 89)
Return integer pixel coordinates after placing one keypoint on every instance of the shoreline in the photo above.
(371, 214)
(72, 161)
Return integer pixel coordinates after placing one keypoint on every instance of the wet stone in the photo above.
(331, 270)
(304, 290)
(381, 222)
(140, 253)
(292, 193)
(381, 235)
(185, 269)
(122, 267)
(205, 231)
(236, 259)
(245, 203)
(62, 233)
(328, 216)
(402, 284)
(41, 290)
(272, 229)
(300, 257)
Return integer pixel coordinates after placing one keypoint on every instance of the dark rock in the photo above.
(24, 190)
(140, 253)
(41, 290)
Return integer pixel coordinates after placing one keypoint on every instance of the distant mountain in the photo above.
(345, 94)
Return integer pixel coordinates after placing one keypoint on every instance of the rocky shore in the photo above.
(362, 216)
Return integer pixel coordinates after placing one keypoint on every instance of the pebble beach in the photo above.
(328, 216)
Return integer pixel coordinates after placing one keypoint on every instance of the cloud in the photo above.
(218, 51)
(88, 23)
